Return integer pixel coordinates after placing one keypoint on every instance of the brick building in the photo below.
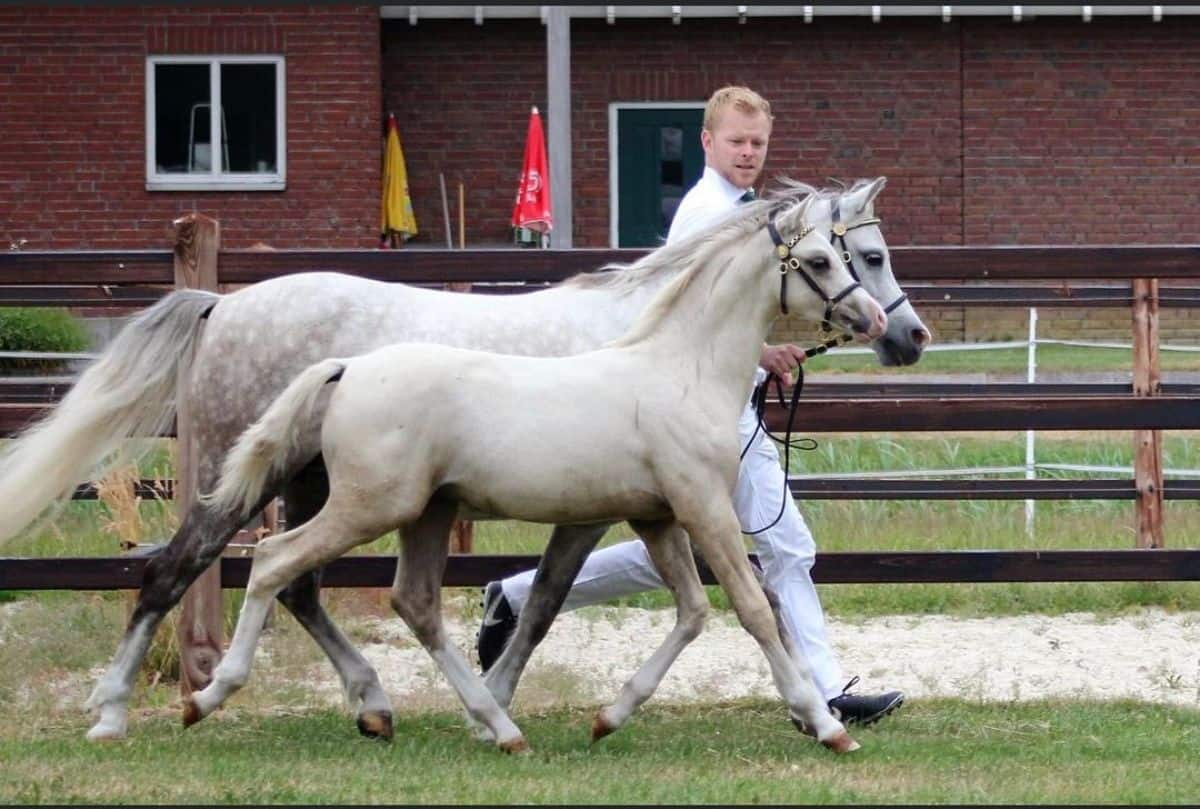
(1050, 130)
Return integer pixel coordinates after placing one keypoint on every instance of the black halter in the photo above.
(788, 262)
(838, 238)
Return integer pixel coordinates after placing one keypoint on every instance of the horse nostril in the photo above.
(921, 337)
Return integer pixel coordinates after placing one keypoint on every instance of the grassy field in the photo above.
(938, 751)
(1050, 358)
(273, 746)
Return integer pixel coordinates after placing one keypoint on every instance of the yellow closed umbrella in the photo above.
(397, 222)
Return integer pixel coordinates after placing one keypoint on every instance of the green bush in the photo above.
(40, 329)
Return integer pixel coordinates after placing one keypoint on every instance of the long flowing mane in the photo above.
(695, 253)
(665, 261)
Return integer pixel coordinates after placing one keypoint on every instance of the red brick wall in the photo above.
(989, 132)
(461, 94)
(72, 131)
(1050, 130)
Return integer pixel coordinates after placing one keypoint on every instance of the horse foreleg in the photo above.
(672, 556)
(196, 544)
(560, 564)
(417, 598)
(304, 496)
(714, 528)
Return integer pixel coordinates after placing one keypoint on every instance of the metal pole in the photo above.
(1030, 454)
(558, 87)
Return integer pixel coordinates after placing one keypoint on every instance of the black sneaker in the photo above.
(499, 622)
(855, 709)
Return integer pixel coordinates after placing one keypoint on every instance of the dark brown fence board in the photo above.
(86, 267)
(911, 263)
(474, 570)
(816, 415)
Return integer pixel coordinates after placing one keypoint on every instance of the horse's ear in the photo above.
(863, 197)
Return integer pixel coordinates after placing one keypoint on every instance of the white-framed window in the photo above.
(249, 133)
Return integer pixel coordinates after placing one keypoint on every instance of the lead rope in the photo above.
(759, 401)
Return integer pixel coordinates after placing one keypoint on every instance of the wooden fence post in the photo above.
(1147, 444)
(462, 532)
(200, 628)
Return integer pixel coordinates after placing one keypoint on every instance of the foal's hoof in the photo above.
(103, 734)
(515, 746)
(841, 743)
(376, 725)
(191, 712)
(601, 727)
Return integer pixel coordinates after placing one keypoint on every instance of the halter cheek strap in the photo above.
(838, 238)
(789, 263)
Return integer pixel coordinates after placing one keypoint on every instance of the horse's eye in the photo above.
(818, 264)
(874, 259)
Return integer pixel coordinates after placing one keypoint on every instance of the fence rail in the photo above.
(476, 570)
(1015, 276)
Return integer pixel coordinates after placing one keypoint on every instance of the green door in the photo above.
(659, 157)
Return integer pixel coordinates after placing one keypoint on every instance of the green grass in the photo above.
(1050, 358)
(936, 751)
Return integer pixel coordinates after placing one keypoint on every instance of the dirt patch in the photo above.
(1153, 656)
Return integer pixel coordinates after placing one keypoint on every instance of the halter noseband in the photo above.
(838, 237)
(789, 262)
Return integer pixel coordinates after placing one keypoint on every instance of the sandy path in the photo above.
(1152, 656)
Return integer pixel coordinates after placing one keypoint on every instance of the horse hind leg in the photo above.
(196, 544)
(671, 553)
(277, 561)
(304, 496)
(417, 599)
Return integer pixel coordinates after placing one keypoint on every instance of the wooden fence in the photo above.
(1058, 276)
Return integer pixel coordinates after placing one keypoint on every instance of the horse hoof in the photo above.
(191, 712)
(515, 746)
(601, 727)
(376, 725)
(99, 734)
(841, 743)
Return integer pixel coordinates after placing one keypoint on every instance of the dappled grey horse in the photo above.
(238, 351)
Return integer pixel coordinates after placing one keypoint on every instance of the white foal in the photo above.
(643, 430)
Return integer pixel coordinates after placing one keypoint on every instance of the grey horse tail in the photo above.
(130, 390)
(266, 447)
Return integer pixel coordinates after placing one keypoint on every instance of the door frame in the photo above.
(614, 108)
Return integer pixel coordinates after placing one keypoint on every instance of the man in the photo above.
(737, 128)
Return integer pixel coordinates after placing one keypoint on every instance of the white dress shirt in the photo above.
(707, 202)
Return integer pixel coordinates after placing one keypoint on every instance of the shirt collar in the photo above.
(728, 190)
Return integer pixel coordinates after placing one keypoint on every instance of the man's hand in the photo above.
(780, 360)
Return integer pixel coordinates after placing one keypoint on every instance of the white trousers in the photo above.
(786, 551)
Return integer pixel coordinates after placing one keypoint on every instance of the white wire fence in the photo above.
(1031, 466)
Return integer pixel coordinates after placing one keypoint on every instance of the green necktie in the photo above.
(747, 197)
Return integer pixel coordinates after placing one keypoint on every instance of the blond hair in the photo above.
(742, 99)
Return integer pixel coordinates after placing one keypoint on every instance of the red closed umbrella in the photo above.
(532, 208)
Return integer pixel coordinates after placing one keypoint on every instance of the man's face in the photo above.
(737, 146)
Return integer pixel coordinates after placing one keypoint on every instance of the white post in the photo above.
(558, 87)
(1030, 456)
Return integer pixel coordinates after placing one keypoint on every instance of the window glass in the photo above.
(181, 125)
(248, 98)
(670, 173)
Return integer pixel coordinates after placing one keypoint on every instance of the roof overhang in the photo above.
(879, 12)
